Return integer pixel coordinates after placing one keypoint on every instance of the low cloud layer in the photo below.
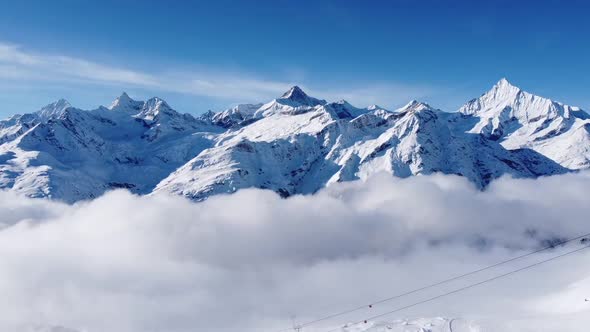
(251, 260)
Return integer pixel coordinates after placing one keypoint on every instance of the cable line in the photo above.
(462, 288)
(442, 282)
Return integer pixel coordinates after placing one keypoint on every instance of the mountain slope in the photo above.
(294, 144)
(295, 152)
(75, 154)
(519, 119)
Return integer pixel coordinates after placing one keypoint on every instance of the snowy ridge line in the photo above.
(442, 282)
(457, 290)
(295, 144)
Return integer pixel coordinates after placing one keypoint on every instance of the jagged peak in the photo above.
(124, 97)
(54, 109)
(62, 101)
(155, 113)
(503, 86)
(502, 94)
(505, 101)
(294, 92)
(296, 96)
(156, 101)
(155, 104)
(504, 81)
(124, 102)
(414, 106)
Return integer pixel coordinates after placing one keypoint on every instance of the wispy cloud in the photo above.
(27, 65)
(20, 64)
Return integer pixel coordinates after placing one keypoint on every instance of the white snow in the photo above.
(519, 119)
(293, 144)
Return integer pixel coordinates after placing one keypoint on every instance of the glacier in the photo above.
(294, 144)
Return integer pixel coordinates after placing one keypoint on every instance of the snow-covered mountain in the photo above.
(75, 154)
(293, 144)
(518, 119)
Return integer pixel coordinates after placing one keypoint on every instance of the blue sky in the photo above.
(202, 55)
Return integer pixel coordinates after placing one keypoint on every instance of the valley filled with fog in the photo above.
(250, 261)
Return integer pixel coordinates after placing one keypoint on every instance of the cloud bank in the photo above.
(251, 260)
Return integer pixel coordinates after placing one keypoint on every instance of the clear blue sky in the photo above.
(211, 54)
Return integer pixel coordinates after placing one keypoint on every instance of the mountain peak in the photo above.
(415, 106)
(124, 96)
(154, 105)
(375, 107)
(156, 102)
(503, 81)
(54, 109)
(516, 117)
(61, 103)
(504, 88)
(296, 97)
(124, 102)
(153, 108)
(294, 93)
(501, 95)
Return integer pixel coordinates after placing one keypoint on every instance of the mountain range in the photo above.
(294, 144)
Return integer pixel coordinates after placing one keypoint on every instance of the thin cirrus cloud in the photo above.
(250, 260)
(19, 64)
(63, 68)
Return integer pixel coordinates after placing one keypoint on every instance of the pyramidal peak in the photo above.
(296, 96)
(124, 97)
(60, 104)
(411, 103)
(53, 109)
(122, 101)
(154, 107)
(518, 118)
(504, 82)
(125, 103)
(503, 94)
(156, 102)
(294, 93)
(504, 87)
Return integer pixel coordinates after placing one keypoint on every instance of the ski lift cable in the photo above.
(442, 282)
(365, 320)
